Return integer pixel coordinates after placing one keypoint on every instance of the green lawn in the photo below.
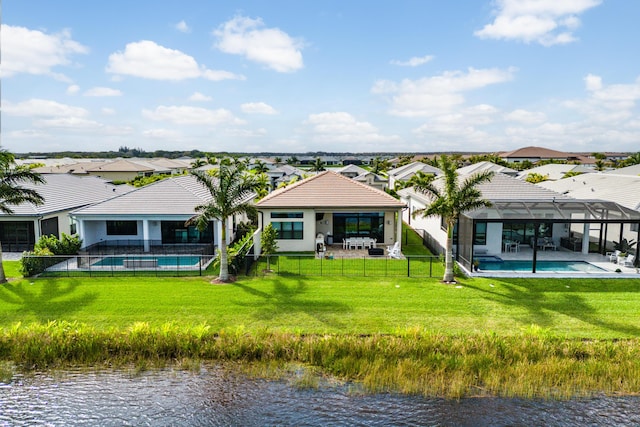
(341, 305)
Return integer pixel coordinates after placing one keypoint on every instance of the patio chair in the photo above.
(394, 251)
(613, 256)
(628, 261)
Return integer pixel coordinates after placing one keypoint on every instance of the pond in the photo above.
(216, 395)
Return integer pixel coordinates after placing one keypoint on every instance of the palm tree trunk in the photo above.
(448, 257)
(3, 277)
(224, 266)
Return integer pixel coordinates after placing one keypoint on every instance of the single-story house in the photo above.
(62, 194)
(151, 217)
(486, 166)
(404, 173)
(536, 154)
(334, 206)
(555, 171)
(522, 216)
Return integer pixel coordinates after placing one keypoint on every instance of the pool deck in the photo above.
(526, 254)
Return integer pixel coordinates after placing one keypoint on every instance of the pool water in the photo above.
(541, 266)
(163, 261)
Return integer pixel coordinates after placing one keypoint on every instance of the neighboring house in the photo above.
(164, 166)
(150, 216)
(74, 167)
(522, 214)
(554, 171)
(485, 166)
(633, 170)
(284, 173)
(536, 154)
(373, 180)
(120, 170)
(332, 205)
(404, 173)
(350, 171)
(621, 189)
(62, 193)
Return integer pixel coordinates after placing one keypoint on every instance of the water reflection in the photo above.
(219, 396)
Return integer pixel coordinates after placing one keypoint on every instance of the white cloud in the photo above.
(34, 52)
(258, 108)
(42, 108)
(547, 22)
(269, 46)
(344, 128)
(199, 97)
(73, 89)
(525, 117)
(108, 111)
(102, 91)
(437, 95)
(149, 60)
(185, 115)
(161, 134)
(413, 62)
(246, 133)
(182, 27)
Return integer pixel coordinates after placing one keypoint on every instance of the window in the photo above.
(289, 230)
(634, 227)
(480, 234)
(122, 228)
(287, 215)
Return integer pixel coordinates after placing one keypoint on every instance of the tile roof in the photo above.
(622, 189)
(554, 171)
(329, 189)
(485, 166)
(171, 196)
(502, 188)
(64, 192)
(122, 165)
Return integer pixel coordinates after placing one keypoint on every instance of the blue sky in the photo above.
(298, 76)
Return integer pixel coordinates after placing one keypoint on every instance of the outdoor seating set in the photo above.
(617, 257)
(358, 243)
(545, 243)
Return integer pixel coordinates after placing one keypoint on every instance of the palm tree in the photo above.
(451, 201)
(318, 165)
(260, 167)
(229, 191)
(11, 193)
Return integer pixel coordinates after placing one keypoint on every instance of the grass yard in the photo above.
(576, 308)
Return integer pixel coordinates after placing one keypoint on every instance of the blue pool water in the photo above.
(541, 266)
(163, 261)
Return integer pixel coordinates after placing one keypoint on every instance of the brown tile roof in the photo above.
(329, 190)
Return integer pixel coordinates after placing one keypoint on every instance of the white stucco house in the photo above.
(152, 218)
(62, 194)
(525, 218)
(334, 206)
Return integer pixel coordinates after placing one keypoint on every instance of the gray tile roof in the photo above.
(65, 192)
(171, 196)
(622, 189)
(503, 188)
(329, 190)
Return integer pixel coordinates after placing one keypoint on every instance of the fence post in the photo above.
(408, 266)
(430, 266)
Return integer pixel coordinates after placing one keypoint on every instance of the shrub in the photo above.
(36, 262)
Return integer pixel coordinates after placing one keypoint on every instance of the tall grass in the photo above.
(532, 363)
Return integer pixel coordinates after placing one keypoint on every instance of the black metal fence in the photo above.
(118, 265)
(138, 246)
(365, 266)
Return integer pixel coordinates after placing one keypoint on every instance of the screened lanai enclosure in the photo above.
(557, 228)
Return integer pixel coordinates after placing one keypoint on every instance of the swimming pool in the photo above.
(541, 266)
(140, 262)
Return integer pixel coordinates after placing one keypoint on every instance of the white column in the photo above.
(399, 229)
(145, 234)
(585, 238)
(80, 231)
